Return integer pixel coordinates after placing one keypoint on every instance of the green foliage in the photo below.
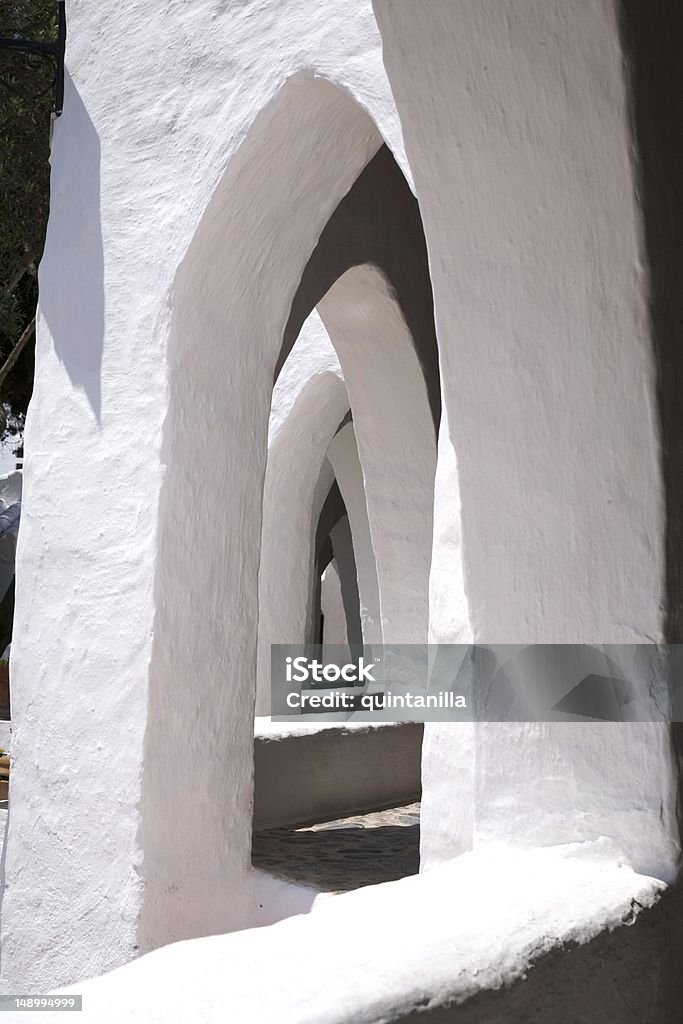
(26, 101)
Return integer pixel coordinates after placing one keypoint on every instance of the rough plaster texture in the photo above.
(398, 454)
(448, 751)
(440, 943)
(160, 631)
(265, 728)
(231, 304)
(517, 134)
(191, 185)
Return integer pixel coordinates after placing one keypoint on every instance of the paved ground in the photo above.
(336, 856)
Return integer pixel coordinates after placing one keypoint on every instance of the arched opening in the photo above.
(334, 546)
(309, 400)
(334, 630)
(318, 783)
(330, 223)
(383, 486)
(342, 455)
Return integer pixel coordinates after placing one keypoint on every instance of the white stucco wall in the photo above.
(157, 627)
(231, 304)
(448, 748)
(191, 181)
(517, 134)
(553, 943)
(396, 444)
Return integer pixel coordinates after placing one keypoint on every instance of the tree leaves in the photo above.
(26, 101)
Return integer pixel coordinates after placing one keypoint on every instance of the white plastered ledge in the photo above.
(427, 942)
(266, 729)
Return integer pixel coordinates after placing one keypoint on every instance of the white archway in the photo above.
(233, 302)
(335, 631)
(342, 454)
(397, 451)
(309, 401)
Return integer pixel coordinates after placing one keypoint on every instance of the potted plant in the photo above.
(4, 774)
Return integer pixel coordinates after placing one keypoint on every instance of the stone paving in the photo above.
(337, 856)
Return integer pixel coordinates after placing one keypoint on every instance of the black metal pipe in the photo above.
(61, 48)
(29, 46)
(53, 50)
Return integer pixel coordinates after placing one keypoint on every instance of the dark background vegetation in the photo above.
(26, 103)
